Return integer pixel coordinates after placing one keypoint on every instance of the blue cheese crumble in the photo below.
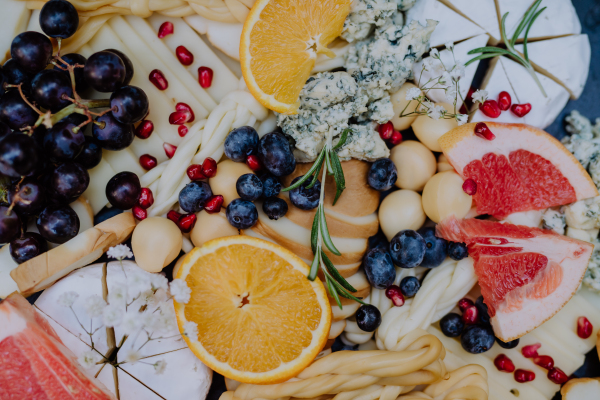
(365, 15)
(554, 220)
(364, 144)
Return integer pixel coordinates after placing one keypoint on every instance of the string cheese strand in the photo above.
(466, 383)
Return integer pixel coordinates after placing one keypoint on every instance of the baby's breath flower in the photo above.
(88, 359)
(434, 53)
(451, 93)
(118, 295)
(132, 356)
(94, 306)
(413, 93)
(436, 112)
(67, 299)
(428, 64)
(479, 96)
(119, 252)
(138, 283)
(457, 72)
(132, 322)
(112, 315)
(158, 281)
(180, 291)
(450, 46)
(462, 119)
(165, 322)
(159, 366)
(190, 329)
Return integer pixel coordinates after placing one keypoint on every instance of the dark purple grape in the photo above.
(15, 74)
(3, 80)
(4, 130)
(48, 89)
(15, 112)
(113, 135)
(123, 190)
(129, 104)
(90, 155)
(59, 19)
(105, 71)
(28, 197)
(19, 155)
(10, 224)
(31, 50)
(58, 224)
(28, 246)
(128, 65)
(74, 58)
(67, 182)
(61, 143)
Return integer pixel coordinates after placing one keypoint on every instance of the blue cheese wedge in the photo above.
(365, 15)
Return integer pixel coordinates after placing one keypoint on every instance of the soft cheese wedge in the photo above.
(13, 20)
(484, 15)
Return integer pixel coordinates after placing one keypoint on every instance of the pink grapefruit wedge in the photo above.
(522, 169)
(526, 274)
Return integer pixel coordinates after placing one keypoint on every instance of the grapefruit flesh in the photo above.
(526, 274)
(522, 169)
(34, 364)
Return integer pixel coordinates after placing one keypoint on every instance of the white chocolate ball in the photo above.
(156, 241)
(443, 164)
(443, 196)
(400, 210)
(399, 102)
(224, 181)
(415, 164)
(211, 226)
(429, 130)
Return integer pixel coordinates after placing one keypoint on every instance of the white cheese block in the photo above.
(460, 55)
(581, 389)
(96, 191)
(123, 160)
(452, 26)
(13, 20)
(34, 22)
(483, 14)
(571, 68)
(7, 264)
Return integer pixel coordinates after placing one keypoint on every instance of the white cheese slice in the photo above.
(571, 68)
(96, 191)
(226, 37)
(452, 26)
(13, 20)
(123, 160)
(7, 264)
(460, 55)
(34, 22)
(483, 14)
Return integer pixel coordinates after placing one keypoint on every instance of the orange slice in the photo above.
(280, 43)
(260, 320)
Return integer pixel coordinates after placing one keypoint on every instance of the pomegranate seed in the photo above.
(504, 364)
(146, 198)
(184, 55)
(214, 204)
(186, 108)
(158, 79)
(148, 162)
(396, 138)
(482, 130)
(194, 172)
(522, 375)
(139, 213)
(186, 223)
(469, 97)
(209, 167)
(545, 362)
(395, 295)
(144, 129)
(386, 130)
(469, 187)
(463, 109)
(531, 350)
(557, 376)
(584, 327)
(205, 77)
(465, 303)
(470, 315)
(179, 117)
(504, 101)
(165, 29)
(253, 162)
(169, 149)
(174, 216)
(521, 110)
(490, 108)
(182, 130)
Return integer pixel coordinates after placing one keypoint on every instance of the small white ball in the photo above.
(443, 164)
(429, 130)
(443, 196)
(156, 241)
(415, 164)
(400, 210)
(400, 103)
(211, 226)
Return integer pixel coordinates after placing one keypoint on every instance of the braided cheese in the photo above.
(466, 383)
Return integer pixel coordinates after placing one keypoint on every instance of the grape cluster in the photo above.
(50, 135)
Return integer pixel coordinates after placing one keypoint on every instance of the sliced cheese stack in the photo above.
(351, 222)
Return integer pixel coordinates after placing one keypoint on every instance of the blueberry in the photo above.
(382, 174)
(303, 198)
(436, 248)
(407, 249)
(452, 325)
(339, 345)
(240, 143)
(409, 286)
(276, 154)
(379, 268)
(249, 187)
(242, 214)
(275, 208)
(271, 185)
(194, 196)
(378, 241)
(484, 316)
(477, 339)
(508, 345)
(457, 251)
(368, 318)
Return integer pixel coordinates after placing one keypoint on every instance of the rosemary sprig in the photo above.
(329, 162)
(489, 52)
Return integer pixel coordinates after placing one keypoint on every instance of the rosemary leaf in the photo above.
(526, 21)
(342, 292)
(311, 171)
(325, 233)
(527, 33)
(315, 177)
(333, 292)
(314, 267)
(314, 233)
(481, 57)
(338, 174)
(343, 139)
(335, 273)
(488, 50)
(328, 162)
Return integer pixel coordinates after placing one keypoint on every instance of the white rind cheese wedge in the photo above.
(581, 389)
(570, 69)
(483, 14)
(96, 191)
(452, 26)
(13, 20)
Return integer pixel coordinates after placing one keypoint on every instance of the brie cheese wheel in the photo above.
(483, 14)
(570, 69)
(13, 20)
(452, 26)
